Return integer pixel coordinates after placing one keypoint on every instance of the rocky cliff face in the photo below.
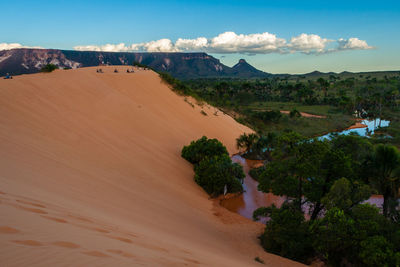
(20, 61)
(180, 65)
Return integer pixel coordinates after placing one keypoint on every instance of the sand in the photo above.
(357, 125)
(91, 175)
(305, 114)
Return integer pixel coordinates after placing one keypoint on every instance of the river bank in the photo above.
(251, 199)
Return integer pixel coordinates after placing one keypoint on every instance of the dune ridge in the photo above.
(91, 175)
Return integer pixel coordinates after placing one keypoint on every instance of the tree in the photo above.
(294, 113)
(202, 148)
(385, 176)
(344, 195)
(334, 236)
(264, 145)
(49, 68)
(360, 237)
(286, 233)
(213, 173)
(358, 150)
(247, 141)
(297, 172)
(323, 85)
(376, 250)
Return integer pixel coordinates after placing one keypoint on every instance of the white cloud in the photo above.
(353, 44)
(162, 45)
(199, 44)
(6, 46)
(258, 43)
(230, 42)
(308, 43)
(106, 48)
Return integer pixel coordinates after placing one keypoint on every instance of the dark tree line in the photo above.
(325, 183)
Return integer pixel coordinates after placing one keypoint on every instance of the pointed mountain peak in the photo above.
(244, 69)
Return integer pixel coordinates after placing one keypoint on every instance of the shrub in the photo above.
(177, 85)
(140, 65)
(49, 68)
(294, 113)
(213, 167)
(268, 116)
(213, 173)
(256, 172)
(287, 233)
(202, 148)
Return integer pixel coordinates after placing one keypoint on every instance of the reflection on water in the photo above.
(252, 199)
(376, 200)
(371, 126)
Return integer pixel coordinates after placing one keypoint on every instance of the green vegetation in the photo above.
(256, 102)
(325, 183)
(203, 148)
(287, 233)
(213, 167)
(49, 68)
(140, 65)
(177, 85)
(256, 146)
(213, 173)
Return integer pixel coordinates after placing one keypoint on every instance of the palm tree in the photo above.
(246, 142)
(385, 163)
(264, 145)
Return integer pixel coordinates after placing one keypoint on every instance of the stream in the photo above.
(252, 199)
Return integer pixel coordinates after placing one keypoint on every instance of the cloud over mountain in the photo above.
(8, 46)
(230, 43)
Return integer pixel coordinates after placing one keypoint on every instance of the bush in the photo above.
(202, 148)
(140, 65)
(213, 167)
(177, 85)
(268, 116)
(49, 68)
(294, 114)
(213, 173)
(256, 172)
(287, 233)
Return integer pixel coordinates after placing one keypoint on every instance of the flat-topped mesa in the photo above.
(180, 65)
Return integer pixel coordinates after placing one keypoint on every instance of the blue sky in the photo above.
(68, 24)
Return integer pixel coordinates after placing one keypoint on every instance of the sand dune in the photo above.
(91, 175)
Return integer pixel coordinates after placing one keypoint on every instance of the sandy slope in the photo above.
(91, 175)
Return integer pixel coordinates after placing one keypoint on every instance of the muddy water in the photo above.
(252, 199)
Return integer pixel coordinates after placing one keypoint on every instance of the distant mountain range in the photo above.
(179, 65)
